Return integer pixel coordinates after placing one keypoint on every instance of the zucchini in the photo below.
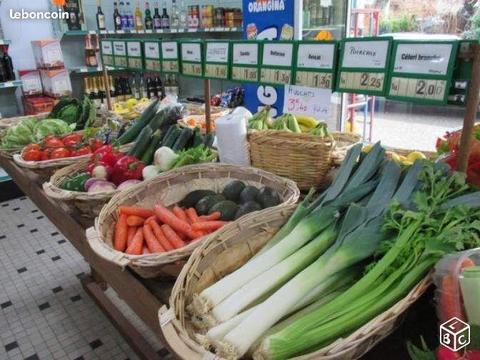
(158, 119)
(172, 137)
(183, 139)
(132, 133)
(197, 137)
(209, 138)
(141, 143)
(147, 157)
(166, 134)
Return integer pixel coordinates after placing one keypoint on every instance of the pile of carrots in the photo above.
(144, 231)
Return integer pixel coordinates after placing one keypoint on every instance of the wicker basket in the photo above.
(304, 158)
(168, 189)
(226, 251)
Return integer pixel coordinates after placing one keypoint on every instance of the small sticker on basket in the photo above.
(166, 317)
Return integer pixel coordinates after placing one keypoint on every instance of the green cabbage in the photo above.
(19, 134)
(52, 127)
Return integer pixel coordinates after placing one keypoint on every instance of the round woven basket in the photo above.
(167, 189)
(228, 249)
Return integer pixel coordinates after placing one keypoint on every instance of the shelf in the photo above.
(5, 42)
(89, 70)
(11, 84)
(150, 32)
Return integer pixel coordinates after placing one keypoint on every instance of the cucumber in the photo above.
(141, 143)
(209, 138)
(197, 137)
(182, 141)
(132, 133)
(166, 134)
(172, 137)
(158, 120)
(147, 157)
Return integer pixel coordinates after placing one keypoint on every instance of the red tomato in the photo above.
(32, 155)
(54, 143)
(46, 154)
(32, 147)
(60, 153)
(84, 150)
(72, 140)
(95, 144)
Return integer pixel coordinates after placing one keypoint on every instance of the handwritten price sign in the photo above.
(307, 101)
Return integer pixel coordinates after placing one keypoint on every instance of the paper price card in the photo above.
(152, 55)
(134, 55)
(277, 62)
(245, 60)
(315, 64)
(217, 57)
(307, 101)
(422, 71)
(191, 53)
(363, 65)
(120, 53)
(107, 53)
(170, 58)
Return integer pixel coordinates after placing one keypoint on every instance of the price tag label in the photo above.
(153, 65)
(135, 63)
(216, 71)
(120, 53)
(362, 80)
(275, 76)
(241, 73)
(315, 64)
(107, 52)
(314, 79)
(307, 101)
(426, 89)
(192, 69)
(170, 58)
(170, 66)
(134, 48)
(152, 55)
(277, 61)
(245, 61)
(217, 56)
(191, 52)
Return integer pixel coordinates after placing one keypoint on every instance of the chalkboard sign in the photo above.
(217, 59)
(170, 57)
(277, 62)
(191, 56)
(153, 59)
(363, 65)
(245, 61)
(315, 64)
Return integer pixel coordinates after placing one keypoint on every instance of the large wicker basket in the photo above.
(167, 189)
(227, 250)
(304, 158)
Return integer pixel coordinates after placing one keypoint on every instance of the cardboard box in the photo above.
(32, 83)
(38, 104)
(56, 83)
(48, 54)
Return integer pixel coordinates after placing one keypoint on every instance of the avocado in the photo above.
(248, 207)
(227, 208)
(194, 197)
(268, 197)
(204, 204)
(248, 194)
(233, 189)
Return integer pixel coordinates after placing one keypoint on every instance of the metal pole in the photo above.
(208, 114)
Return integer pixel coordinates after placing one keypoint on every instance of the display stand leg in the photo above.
(470, 111)
(208, 114)
(106, 81)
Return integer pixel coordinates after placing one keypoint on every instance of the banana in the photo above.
(292, 123)
(306, 121)
(304, 128)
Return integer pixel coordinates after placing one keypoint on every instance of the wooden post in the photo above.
(206, 91)
(470, 111)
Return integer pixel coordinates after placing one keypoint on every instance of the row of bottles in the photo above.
(6, 66)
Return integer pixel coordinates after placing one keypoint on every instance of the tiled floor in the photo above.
(44, 312)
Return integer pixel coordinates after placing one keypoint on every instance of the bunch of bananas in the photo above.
(286, 122)
(261, 120)
(128, 110)
(320, 130)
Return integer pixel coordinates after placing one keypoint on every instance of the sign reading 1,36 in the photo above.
(315, 64)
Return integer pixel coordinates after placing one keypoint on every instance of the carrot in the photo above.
(172, 236)
(134, 220)
(147, 220)
(180, 213)
(136, 246)
(131, 233)
(159, 235)
(199, 234)
(121, 233)
(169, 218)
(208, 225)
(145, 250)
(192, 215)
(213, 216)
(133, 210)
(153, 244)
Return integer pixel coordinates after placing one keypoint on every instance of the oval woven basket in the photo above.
(167, 189)
(228, 249)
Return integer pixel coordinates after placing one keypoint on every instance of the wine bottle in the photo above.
(117, 17)
(138, 17)
(159, 87)
(157, 19)
(100, 17)
(148, 17)
(165, 17)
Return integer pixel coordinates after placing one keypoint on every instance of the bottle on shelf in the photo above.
(138, 17)
(135, 87)
(123, 16)
(86, 85)
(113, 96)
(160, 88)
(7, 64)
(128, 90)
(131, 20)
(142, 88)
(174, 17)
(117, 89)
(182, 16)
(157, 19)
(117, 17)
(74, 15)
(165, 17)
(100, 17)
(102, 95)
(96, 93)
(90, 52)
(148, 17)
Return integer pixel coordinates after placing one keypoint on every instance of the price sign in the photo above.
(422, 71)
(191, 53)
(315, 64)
(245, 60)
(170, 58)
(217, 56)
(152, 55)
(107, 52)
(307, 101)
(363, 65)
(134, 54)
(119, 53)
(277, 62)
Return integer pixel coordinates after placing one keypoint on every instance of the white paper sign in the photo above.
(245, 54)
(217, 52)
(119, 48)
(152, 50)
(107, 48)
(317, 56)
(191, 52)
(423, 58)
(277, 54)
(134, 49)
(365, 54)
(170, 50)
(307, 101)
